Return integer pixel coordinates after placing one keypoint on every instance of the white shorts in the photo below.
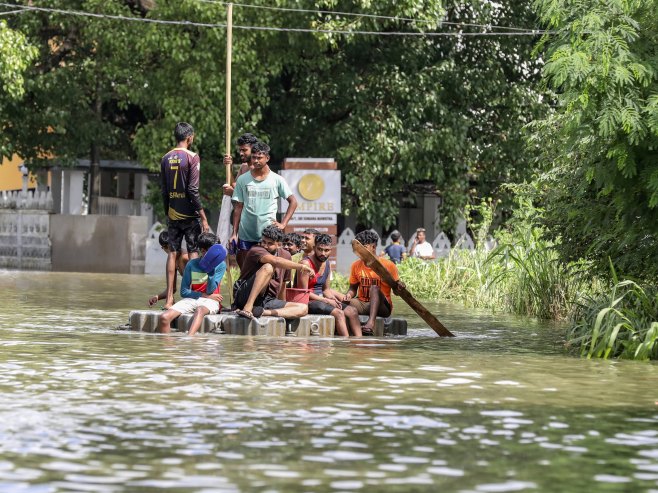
(189, 305)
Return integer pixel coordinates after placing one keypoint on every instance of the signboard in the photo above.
(324, 219)
(317, 191)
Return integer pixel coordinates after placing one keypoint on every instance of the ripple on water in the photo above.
(506, 486)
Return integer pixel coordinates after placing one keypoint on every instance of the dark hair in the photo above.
(367, 237)
(182, 131)
(164, 239)
(293, 238)
(260, 147)
(395, 236)
(311, 231)
(273, 233)
(248, 139)
(206, 240)
(323, 239)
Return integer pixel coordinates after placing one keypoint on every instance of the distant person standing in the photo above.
(179, 183)
(395, 251)
(420, 248)
(245, 143)
(255, 200)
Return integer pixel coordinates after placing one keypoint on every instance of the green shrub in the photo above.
(622, 323)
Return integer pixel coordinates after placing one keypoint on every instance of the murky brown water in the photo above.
(84, 407)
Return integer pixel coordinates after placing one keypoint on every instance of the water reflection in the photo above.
(84, 407)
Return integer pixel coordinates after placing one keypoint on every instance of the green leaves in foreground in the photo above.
(601, 191)
(623, 323)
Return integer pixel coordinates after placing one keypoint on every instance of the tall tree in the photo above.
(16, 54)
(411, 113)
(601, 187)
(441, 114)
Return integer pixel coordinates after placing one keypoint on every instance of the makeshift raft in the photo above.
(228, 323)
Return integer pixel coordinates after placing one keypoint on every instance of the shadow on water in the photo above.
(501, 407)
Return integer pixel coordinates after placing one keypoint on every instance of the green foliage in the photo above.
(622, 323)
(522, 275)
(600, 188)
(443, 112)
(16, 54)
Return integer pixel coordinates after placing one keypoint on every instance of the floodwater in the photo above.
(85, 407)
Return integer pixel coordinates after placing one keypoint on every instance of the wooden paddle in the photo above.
(373, 262)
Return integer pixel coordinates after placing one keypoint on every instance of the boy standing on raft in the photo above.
(179, 184)
(255, 200)
(200, 286)
(373, 296)
(245, 142)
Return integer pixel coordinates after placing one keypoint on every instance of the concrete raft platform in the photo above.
(228, 323)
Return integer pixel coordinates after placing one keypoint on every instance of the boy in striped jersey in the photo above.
(179, 183)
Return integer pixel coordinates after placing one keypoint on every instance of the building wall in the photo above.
(113, 244)
(11, 178)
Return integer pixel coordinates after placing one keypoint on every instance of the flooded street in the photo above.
(86, 407)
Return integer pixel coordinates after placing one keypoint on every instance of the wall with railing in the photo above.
(25, 230)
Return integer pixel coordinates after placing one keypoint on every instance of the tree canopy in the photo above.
(600, 187)
(439, 114)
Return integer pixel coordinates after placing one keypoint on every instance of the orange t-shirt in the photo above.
(365, 277)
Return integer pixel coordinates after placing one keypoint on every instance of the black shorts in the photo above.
(188, 228)
(242, 289)
(316, 307)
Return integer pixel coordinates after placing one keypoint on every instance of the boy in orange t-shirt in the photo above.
(373, 296)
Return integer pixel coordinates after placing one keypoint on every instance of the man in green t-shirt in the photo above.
(255, 201)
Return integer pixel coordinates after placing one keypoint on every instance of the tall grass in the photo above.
(622, 323)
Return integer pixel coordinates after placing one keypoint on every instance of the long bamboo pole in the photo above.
(229, 60)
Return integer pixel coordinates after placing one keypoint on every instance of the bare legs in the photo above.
(165, 320)
(352, 316)
(374, 308)
(291, 310)
(261, 281)
(199, 313)
(171, 277)
(341, 322)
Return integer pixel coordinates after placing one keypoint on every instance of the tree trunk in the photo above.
(95, 166)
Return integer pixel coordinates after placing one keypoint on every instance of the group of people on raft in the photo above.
(264, 253)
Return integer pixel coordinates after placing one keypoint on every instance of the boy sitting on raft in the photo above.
(373, 296)
(182, 258)
(323, 300)
(261, 288)
(200, 287)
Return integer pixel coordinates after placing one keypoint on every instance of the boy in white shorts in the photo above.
(200, 287)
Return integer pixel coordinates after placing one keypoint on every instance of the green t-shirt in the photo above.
(260, 199)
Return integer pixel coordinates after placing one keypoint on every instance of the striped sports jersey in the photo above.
(179, 182)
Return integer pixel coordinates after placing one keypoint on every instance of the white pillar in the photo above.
(73, 191)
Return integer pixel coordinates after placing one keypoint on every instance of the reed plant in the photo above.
(622, 322)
